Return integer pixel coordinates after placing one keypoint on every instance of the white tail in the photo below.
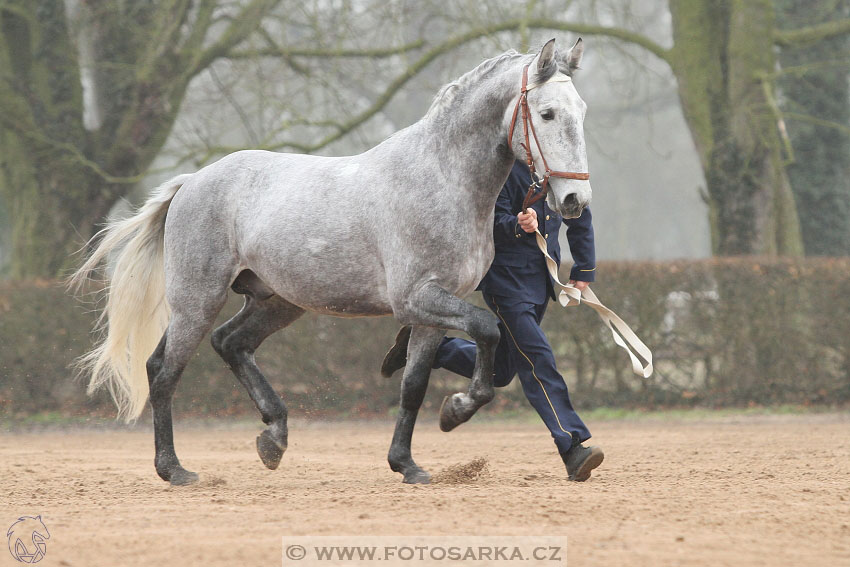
(136, 312)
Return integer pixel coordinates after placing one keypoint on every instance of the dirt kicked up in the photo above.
(768, 490)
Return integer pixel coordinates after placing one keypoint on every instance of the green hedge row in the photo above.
(724, 332)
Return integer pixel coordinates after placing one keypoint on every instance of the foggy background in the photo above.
(719, 147)
(645, 172)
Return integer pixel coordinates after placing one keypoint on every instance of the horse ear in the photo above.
(546, 57)
(573, 58)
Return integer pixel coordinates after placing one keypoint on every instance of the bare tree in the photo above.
(89, 92)
(91, 89)
(723, 55)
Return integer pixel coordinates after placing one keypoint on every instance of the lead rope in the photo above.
(624, 337)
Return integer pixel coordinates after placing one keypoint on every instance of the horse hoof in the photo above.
(182, 477)
(418, 476)
(269, 450)
(448, 419)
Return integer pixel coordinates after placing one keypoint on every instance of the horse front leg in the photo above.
(434, 306)
(422, 347)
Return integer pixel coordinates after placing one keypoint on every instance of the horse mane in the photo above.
(447, 94)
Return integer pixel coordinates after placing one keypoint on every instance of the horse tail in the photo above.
(136, 312)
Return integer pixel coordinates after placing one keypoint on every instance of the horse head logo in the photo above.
(28, 539)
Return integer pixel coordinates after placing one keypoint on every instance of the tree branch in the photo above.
(32, 132)
(169, 20)
(241, 27)
(591, 29)
(811, 34)
(799, 70)
(426, 58)
(203, 21)
(318, 52)
(817, 121)
(524, 44)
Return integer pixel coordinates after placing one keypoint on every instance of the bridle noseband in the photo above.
(533, 196)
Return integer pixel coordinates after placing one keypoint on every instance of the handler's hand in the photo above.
(528, 221)
(579, 285)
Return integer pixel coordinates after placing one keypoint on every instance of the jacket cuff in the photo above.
(583, 274)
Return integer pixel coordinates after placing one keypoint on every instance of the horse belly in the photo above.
(328, 283)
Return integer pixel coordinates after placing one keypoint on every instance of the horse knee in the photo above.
(485, 328)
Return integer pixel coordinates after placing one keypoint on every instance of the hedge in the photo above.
(726, 332)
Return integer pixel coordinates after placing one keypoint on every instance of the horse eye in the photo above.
(547, 114)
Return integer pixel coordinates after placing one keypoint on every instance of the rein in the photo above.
(528, 125)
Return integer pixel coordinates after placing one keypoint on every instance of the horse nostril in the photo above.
(571, 201)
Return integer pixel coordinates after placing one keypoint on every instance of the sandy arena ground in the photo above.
(765, 490)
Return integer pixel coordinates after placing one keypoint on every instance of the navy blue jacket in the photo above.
(519, 269)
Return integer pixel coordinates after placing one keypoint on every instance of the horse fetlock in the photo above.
(182, 477)
(279, 430)
(399, 459)
(401, 462)
(417, 475)
(169, 469)
(273, 413)
(483, 396)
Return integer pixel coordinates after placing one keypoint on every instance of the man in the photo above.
(517, 288)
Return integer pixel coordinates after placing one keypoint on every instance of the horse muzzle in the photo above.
(572, 206)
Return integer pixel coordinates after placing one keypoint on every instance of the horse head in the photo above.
(554, 131)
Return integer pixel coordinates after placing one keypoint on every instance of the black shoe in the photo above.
(580, 460)
(396, 357)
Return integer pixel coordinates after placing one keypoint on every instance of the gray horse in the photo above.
(405, 229)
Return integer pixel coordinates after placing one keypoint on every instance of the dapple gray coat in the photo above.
(405, 229)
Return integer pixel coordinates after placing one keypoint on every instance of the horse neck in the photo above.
(472, 138)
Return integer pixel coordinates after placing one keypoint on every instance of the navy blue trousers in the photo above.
(524, 350)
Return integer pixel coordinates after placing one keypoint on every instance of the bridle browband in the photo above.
(533, 196)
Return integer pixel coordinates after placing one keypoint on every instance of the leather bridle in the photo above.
(533, 196)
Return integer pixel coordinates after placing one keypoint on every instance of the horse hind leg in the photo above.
(190, 321)
(262, 315)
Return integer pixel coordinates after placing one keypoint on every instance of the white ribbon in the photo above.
(569, 296)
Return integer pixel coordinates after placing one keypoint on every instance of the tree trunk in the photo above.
(58, 178)
(723, 59)
(817, 88)
(49, 222)
(48, 191)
